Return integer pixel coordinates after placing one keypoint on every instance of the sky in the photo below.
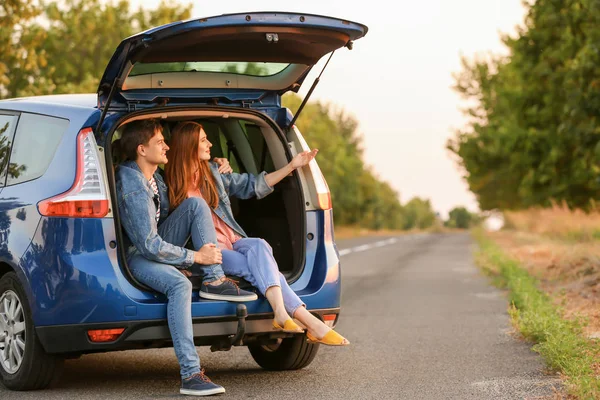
(397, 81)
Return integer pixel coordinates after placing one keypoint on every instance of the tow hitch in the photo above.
(241, 313)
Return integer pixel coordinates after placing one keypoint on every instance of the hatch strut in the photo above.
(118, 81)
(309, 93)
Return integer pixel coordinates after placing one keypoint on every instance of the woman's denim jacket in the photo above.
(242, 186)
(137, 209)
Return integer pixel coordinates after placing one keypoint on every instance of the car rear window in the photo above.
(234, 67)
(36, 140)
(7, 128)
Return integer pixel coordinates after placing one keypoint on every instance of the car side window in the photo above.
(7, 129)
(36, 140)
(229, 153)
(260, 151)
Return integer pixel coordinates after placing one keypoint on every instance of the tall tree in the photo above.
(68, 47)
(21, 41)
(89, 31)
(534, 135)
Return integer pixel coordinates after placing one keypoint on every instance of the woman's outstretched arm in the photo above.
(299, 161)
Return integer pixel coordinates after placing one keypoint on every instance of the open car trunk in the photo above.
(252, 143)
(231, 65)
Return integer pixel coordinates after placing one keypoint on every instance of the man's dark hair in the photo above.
(136, 133)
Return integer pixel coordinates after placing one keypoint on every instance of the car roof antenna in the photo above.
(309, 93)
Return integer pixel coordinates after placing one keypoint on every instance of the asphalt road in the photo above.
(423, 322)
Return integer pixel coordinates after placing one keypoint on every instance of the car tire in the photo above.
(288, 354)
(37, 369)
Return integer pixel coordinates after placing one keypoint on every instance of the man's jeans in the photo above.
(191, 218)
(252, 259)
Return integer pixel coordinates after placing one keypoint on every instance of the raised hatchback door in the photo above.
(237, 56)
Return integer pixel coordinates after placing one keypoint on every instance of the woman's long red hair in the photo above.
(184, 163)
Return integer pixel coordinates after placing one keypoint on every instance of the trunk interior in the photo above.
(252, 144)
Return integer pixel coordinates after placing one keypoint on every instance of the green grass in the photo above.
(577, 236)
(559, 341)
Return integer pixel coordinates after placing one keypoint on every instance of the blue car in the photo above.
(65, 287)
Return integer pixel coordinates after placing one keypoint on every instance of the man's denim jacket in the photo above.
(137, 209)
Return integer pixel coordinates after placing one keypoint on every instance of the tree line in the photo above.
(359, 197)
(534, 133)
(52, 48)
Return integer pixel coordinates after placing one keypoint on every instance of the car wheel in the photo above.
(285, 354)
(24, 365)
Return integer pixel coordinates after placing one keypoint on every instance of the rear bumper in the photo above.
(73, 339)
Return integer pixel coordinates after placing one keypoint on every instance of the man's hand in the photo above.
(302, 159)
(186, 272)
(223, 164)
(208, 254)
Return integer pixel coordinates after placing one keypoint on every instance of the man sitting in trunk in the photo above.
(155, 239)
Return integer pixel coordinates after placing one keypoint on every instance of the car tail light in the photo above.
(105, 335)
(323, 193)
(87, 198)
(329, 319)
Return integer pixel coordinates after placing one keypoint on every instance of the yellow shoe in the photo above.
(331, 338)
(289, 326)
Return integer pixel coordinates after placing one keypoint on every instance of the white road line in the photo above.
(365, 247)
(343, 252)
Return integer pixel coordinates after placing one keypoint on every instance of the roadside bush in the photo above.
(559, 341)
(461, 218)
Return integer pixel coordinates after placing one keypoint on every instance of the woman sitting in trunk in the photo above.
(189, 174)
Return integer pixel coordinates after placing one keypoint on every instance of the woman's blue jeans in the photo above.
(191, 218)
(252, 259)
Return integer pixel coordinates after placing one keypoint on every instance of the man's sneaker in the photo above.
(228, 291)
(200, 385)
